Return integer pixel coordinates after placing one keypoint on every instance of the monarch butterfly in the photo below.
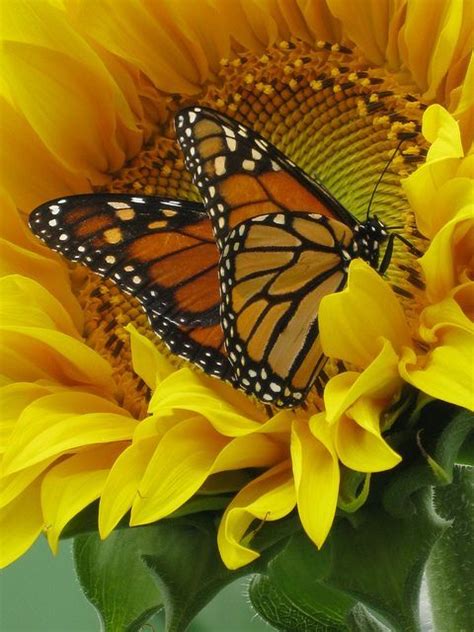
(233, 285)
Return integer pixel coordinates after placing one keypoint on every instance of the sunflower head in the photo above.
(99, 408)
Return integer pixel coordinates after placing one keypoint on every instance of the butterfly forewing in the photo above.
(241, 175)
(235, 285)
(161, 251)
(274, 271)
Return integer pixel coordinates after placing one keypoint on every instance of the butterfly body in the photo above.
(233, 285)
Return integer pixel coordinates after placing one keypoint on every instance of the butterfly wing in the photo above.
(240, 175)
(161, 251)
(274, 271)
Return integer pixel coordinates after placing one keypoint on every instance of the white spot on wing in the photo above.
(118, 205)
(219, 165)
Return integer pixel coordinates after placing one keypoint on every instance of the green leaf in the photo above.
(174, 564)
(83, 522)
(373, 566)
(115, 578)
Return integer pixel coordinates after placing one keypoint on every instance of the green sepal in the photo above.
(450, 568)
(433, 466)
(353, 491)
(86, 521)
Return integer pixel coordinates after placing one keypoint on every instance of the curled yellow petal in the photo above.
(380, 380)
(442, 185)
(446, 372)
(442, 131)
(316, 473)
(359, 442)
(357, 339)
(449, 258)
(270, 496)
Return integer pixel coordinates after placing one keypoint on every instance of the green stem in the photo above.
(450, 569)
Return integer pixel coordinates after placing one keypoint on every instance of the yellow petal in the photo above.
(177, 469)
(21, 522)
(48, 177)
(316, 473)
(67, 95)
(375, 313)
(13, 228)
(73, 485)
(253, 25)
(380, 380)
(321, 22)
(56, 424)
(146, 36)
(269, 497)
(229, 411)
(122, 483)
(428, 46)
(256, 450)
(27, 303)
(437, 190)
(13, 399)
(151, 365)
(446, 373)
(449, 257)
(442, 131)
(46, 271)
(367, 23)
(461, 96)
(32, 353)
(455, 310)
(359, 443)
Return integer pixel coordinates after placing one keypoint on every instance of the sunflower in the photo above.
(94, 407)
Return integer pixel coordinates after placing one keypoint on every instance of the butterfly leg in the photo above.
(387, 257)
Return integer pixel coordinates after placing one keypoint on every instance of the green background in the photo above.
(40, 593)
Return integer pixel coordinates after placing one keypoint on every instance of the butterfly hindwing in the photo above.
(159, 250)
(240, 175)
(274, 271)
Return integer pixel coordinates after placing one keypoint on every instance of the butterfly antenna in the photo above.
(381, 177)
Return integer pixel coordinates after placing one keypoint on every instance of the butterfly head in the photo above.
(368, 236)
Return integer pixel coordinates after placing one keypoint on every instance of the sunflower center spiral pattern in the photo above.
(333, 115)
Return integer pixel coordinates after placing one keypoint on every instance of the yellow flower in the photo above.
(87, 95)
